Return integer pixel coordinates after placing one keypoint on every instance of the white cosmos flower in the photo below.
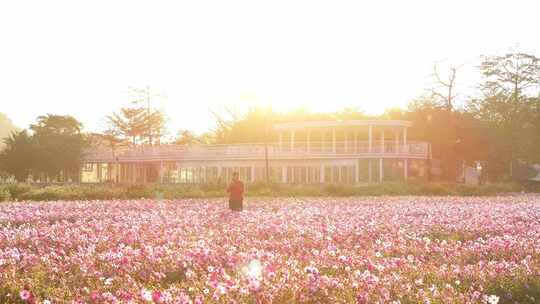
(493, 299)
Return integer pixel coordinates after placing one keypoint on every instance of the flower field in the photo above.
(324, 250)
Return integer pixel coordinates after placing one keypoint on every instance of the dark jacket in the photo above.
(236, 190)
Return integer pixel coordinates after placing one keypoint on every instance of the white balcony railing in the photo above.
(255, 151)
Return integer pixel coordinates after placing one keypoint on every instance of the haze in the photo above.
(80, 57)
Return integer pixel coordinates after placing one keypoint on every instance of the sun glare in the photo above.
(254, 269)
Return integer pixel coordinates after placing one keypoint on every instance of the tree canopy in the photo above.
(6, 128)
(508, 108)
(499, 126)
(53, 149)
(139, 122)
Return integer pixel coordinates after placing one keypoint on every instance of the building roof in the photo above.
(341, 123)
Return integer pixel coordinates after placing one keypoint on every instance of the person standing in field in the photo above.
(236, 193)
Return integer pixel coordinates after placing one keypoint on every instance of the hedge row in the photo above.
(25, 192)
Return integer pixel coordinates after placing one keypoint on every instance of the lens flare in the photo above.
(254, 269)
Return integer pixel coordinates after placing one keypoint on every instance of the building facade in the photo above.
(310, 152)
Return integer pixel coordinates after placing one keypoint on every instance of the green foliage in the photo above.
(20, 155)
(6, 128)
(24, 192)
(60, 145)
(4, 195)
(53, 150)
(139, 122)
(186, 137)
(340, 190)
(129, 122)
(17, 190)
(516, 290)
(509, 110)
(501, 125)
(254, 126)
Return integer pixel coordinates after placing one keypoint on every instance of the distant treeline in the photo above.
(500, 126)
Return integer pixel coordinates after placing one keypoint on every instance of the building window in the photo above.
(88, 167)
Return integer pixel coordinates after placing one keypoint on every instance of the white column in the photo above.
(381, 170)
(346, 144)
(370, 172)
(161, 172)
(178, 172)
(323, 137)
(118, 172)
(405, 169)
(308, 140)
(144, 173)
(405, 146)
(334, 140)
(292, 140)
(204, 175)
(252, 174)
(284, 174)
(356, 141)
(322, 175)
(98, 166)
(370, 139)
(219, 172)
(280, 141)
(356, 172)
(80, 175)
(404, 135)
(396, 135)
(382, 141)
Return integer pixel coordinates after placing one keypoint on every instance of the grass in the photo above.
(26, 192)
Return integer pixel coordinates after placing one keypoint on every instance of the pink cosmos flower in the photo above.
(361, 299)
(254, 285)
(146, 295)
(25, 295)
(184, 298)
(157, 297)
(198, 300)
(415, 238)
(94, 296)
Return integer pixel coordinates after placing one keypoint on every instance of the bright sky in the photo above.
(80, 57)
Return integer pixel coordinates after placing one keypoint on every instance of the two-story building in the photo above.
(352, 152)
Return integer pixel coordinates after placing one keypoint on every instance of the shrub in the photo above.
(16, 190)
(340, 190)
(48, 193)
(212, 187)
(4, 195)
(394, 189)
(137, 191)
(104, 192)
(436, 189)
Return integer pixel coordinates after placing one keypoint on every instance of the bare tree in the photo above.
(444, 93)
(447, 98)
